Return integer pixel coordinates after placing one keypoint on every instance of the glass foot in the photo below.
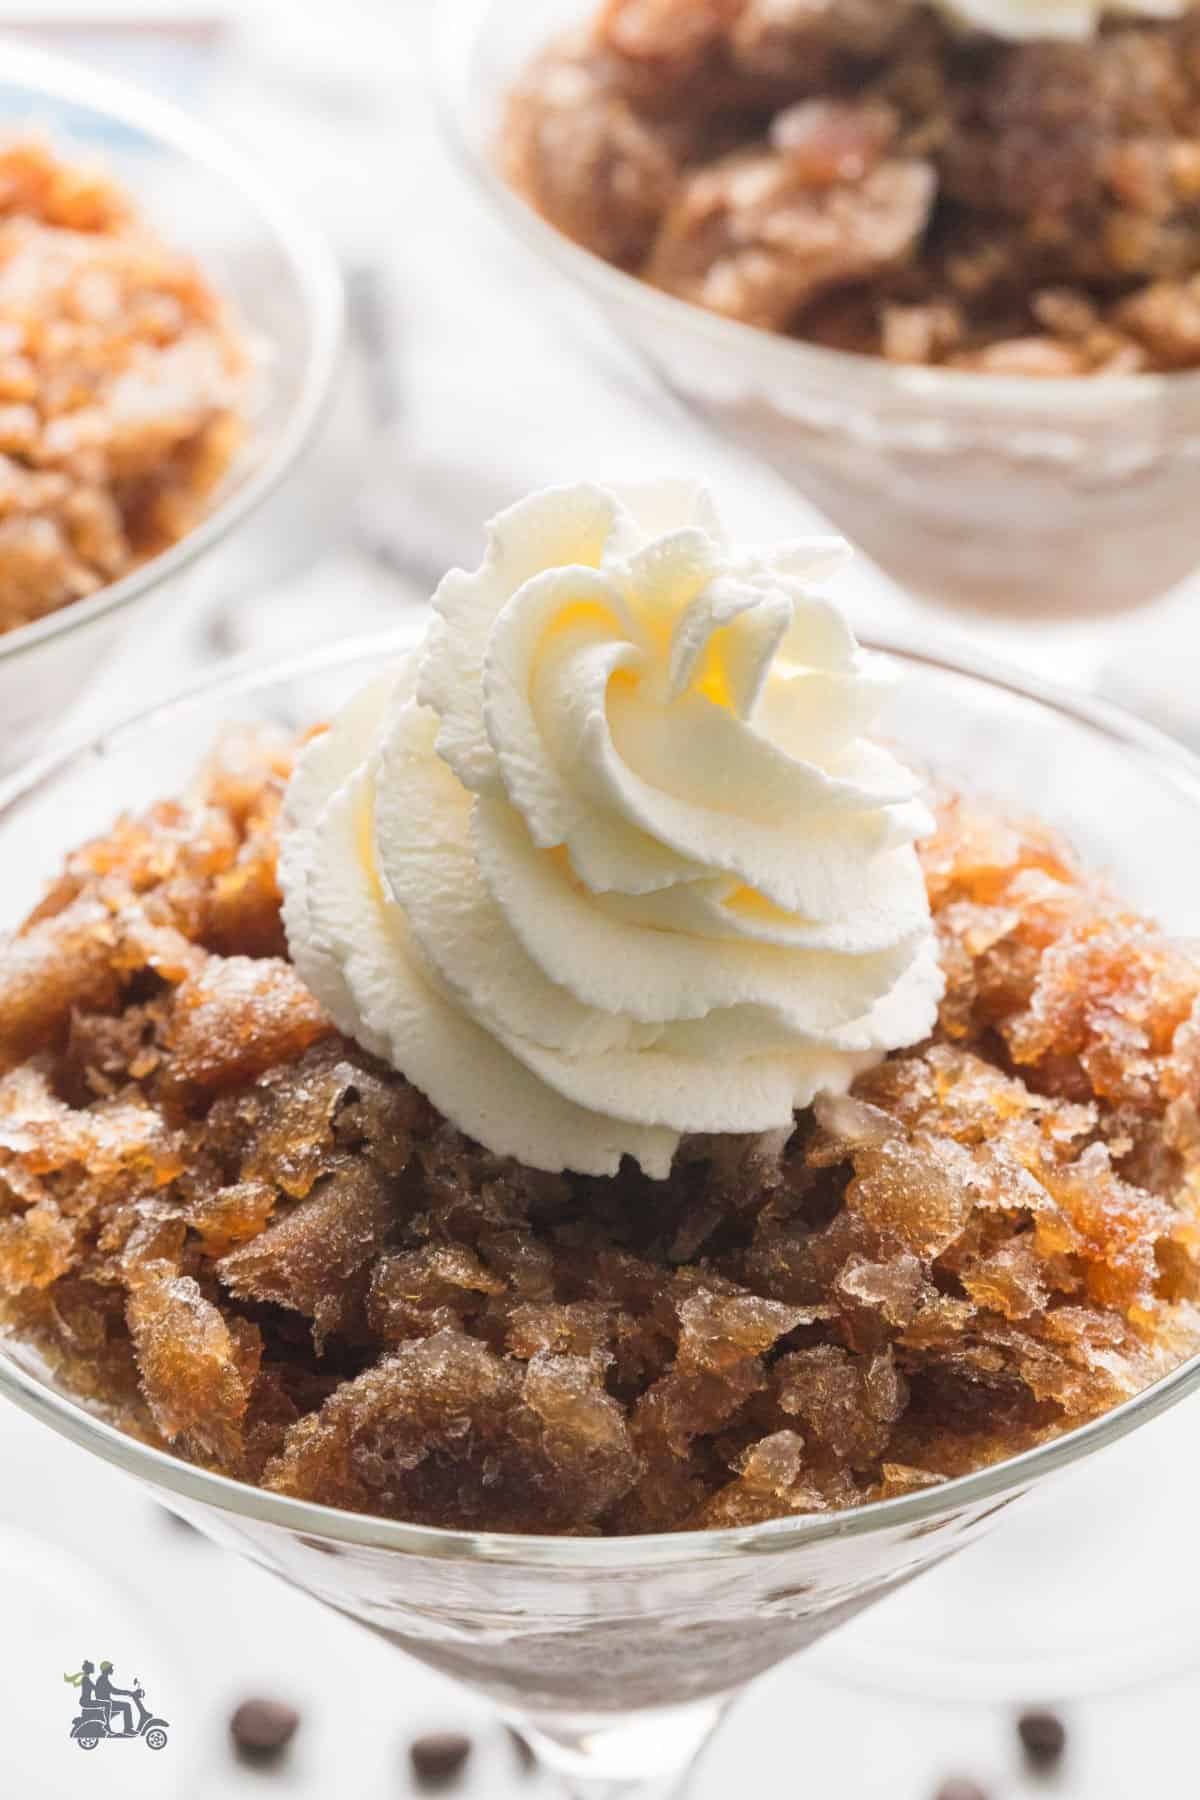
(650, 1757)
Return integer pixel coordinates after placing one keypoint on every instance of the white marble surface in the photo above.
(88, 1564)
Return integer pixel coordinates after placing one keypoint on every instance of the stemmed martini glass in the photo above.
(617, 1656)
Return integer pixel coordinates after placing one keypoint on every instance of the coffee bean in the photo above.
(438, 1757)
(1043, 1738)
(262, 1729)
(960, 1788)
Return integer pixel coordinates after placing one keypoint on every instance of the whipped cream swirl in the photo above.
(609, 859)
(1064, 19)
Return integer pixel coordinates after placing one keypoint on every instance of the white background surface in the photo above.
(500, 385)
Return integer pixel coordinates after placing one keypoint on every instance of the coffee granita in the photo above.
(122, 383)
(586, 1089)
(1003, 185)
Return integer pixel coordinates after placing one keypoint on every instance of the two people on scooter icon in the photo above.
(99, 1707)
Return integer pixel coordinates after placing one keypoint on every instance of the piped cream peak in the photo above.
(611, 858)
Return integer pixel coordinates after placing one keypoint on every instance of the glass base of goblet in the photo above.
(646, 1757)
(1076, 1593)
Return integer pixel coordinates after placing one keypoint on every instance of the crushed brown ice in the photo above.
(250, 1241)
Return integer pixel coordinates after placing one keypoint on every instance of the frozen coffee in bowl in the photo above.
(168, 329)
(817, 222)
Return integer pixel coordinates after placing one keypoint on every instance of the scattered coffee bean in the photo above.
(262, 1729)
(959, 1787)
(438, 1757)
(1043, 1738)
(522, 1749)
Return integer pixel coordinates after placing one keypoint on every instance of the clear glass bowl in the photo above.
(618, 1654)
(282, 282)
(1020, 495)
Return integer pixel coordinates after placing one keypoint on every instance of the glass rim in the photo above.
(456, 29)
(313, 268)
(1178, 766)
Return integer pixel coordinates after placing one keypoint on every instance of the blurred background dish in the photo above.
(284, 299)
(895, 182)
(999, 492)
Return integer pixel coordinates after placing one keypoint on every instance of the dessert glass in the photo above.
(1019, 495)
(286, 293)
(617, 1655)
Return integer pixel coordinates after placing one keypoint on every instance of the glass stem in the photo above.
(649, 1756)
